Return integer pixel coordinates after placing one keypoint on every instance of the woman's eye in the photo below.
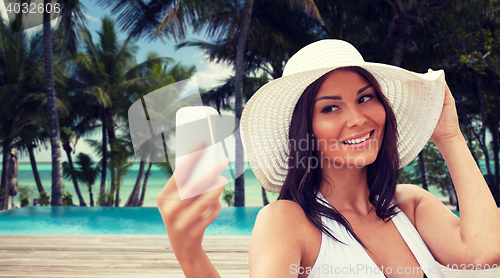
(365, 98)
(329, 109)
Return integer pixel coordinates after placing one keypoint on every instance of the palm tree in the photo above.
(239, 183)
(408, 17)
(109, 71)
(154, 19)
(102, 67)
(470, 37)
(144, 183)
(173, 24)
(264, 49)
(85, 172)
(221, 18)
(119, 156)
(20, 63)
(55, 142)
(80, 120)
(67, 136)
(165, 75)
(72, 10)
(244, 26)
(33, 135)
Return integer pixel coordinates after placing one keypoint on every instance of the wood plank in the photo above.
(111, 256)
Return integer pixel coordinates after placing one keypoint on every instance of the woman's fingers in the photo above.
(173, 207)
(180, 175)
(208, 217)
(196, 216)
(205, 183)
(184, 169)
(210, 180)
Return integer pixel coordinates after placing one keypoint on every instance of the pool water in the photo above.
(233, 221)
(236, 221)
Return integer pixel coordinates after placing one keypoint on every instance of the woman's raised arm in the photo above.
(474, 238)
(186, 220)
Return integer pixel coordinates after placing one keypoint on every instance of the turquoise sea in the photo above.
(157, 179)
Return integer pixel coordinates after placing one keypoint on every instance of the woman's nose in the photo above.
(355, 117)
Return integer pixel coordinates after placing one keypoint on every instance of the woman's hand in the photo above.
(186, 220)
(447, 126)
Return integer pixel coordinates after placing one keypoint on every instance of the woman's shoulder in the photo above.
(282, 213)
(283, 219)
(280, 235)
(282, 206)
(409, 196)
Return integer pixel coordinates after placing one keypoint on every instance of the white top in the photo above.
(338, 260)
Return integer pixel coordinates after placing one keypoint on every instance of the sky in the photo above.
(208, 74)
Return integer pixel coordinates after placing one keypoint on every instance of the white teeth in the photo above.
(357, 141)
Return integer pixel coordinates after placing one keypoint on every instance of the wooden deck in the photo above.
(112, 256)
(119, 256)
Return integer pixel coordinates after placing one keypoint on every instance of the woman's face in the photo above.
(348, 121)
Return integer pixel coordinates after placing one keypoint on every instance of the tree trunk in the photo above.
(91, 196)
(67, 148)
(495, 146)
(34, 167)
(113, 186)
(104, 170)
(486, 153)
(55, 141)
(423, 172)
(397, 59)
(239, 185)
(452, 194)
(144, 184)
(117, 199)
(132, 199)
(264, 197)
(4, 194)
(111, 142)
(484, 147)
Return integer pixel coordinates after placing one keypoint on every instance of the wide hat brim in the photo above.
(416, 100)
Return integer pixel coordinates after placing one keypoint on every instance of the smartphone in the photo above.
(194, 126)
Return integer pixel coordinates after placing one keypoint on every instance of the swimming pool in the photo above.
(235, 221)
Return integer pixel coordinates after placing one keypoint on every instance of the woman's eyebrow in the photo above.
(363, 89)
(339, 98)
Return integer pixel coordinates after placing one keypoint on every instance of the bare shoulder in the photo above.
(283, 218)
(282, 209)
(409, 196)
(277, 239)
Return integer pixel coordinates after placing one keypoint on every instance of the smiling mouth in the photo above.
(358, 140)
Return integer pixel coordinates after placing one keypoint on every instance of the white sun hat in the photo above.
(416, 99)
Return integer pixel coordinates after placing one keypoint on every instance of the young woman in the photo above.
(329, 136)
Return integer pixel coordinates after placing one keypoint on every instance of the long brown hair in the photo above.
(302, 181)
